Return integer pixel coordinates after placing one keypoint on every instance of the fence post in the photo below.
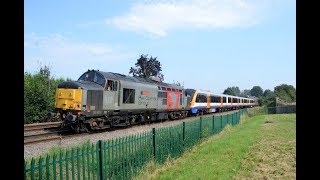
(99, 153)
(154, 142)
(25, 171)
(238, 117)
(183, 132)
(232, 119)
(228, 115)
(213, 117)
(221, 121)
(200, 127)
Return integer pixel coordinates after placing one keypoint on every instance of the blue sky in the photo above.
(203, 44)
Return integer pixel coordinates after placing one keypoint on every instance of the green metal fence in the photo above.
(123, 158)
(281, 109)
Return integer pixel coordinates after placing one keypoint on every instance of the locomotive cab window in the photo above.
(128, 95)
(112, 85)
(201, 98)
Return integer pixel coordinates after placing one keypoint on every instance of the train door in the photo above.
(111, 95)
(208, 101)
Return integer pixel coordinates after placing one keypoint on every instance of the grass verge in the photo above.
(261, 147)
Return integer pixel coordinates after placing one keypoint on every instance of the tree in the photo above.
(256, 91)
(268, 93)
(245, 93)
(39, 94)
(234, 91)
(285, 92)
(147, 67)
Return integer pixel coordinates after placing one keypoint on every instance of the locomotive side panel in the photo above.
(137, 96)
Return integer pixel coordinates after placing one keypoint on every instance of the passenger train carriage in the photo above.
(99, 100)
(203, 102)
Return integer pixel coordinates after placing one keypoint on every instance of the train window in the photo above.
(190, 92)
(115, 86)
(180, 90)
(180, 99)
(169, 89)
(162, 94)
(159, 88)
(224, 99)
(89, 76)
(128, 95)
(163, 88)
(229, 99)
(216, 99)
(93, 77)
(99, 79)
(173, 89)
(110, 85)
(201, 98)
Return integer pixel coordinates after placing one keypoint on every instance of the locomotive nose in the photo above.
(71, 117)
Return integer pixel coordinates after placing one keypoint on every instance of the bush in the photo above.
(39, 92)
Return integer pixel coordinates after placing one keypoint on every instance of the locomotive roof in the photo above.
(117, 76)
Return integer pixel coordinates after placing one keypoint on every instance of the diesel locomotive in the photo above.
(100, 100)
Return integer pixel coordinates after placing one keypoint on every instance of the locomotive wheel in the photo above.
(172, 116)
(76, 128)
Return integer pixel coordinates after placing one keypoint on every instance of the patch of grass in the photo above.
(274, 156)
(258, 110)
(220, 156)
(254, 149)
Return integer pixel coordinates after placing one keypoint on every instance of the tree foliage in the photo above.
(147, 67)
(39, 92)
(245, 93)
(268, 93)
(234, 91)
(285, 92)
(256, 91)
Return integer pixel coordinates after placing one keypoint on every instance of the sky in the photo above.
(202, 44)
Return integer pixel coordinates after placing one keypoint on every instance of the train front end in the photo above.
(68, 105)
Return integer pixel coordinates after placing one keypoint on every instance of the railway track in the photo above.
(50, 131)
(45, 136)
(41, 126)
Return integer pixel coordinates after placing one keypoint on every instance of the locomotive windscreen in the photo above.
(190, 92)
(93, 76)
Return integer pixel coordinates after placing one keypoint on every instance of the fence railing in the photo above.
(281, 109)
(123, 158)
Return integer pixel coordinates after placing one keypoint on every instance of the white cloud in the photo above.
(158, 17)
(69, 57)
